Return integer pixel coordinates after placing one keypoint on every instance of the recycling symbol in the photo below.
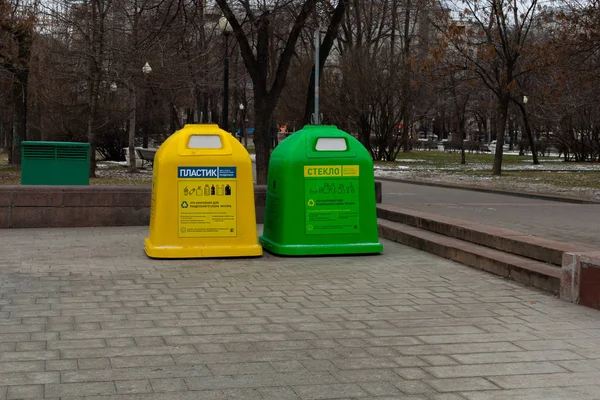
(311, 203)
(184, 204)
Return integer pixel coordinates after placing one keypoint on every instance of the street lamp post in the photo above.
(146, 69)
(112, 92)
(226, 29)
(242, 125)
(530, 135)
(521, 146)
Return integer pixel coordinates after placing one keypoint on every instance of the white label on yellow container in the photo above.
(207, 207)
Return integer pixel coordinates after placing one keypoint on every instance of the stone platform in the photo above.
(85, 314)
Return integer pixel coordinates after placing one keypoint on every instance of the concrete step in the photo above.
(535, 273)
(505, 240)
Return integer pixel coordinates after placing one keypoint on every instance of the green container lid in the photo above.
(320, 196)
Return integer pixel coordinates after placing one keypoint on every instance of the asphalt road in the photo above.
(573, 223)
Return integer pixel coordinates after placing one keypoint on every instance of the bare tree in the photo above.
(565, 98)
(95, 35)
(382, 51)
(254, 48)
(337, 16)
(491, 36)
(16, 41)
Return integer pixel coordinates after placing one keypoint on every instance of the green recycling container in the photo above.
(55, 163)
(320, 196)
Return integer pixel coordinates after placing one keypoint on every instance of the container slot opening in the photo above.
(205, 142)
(331, 144)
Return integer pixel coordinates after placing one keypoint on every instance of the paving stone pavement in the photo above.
(85, 314)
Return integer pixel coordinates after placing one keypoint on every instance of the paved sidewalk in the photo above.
(568, 222)
(83, 312)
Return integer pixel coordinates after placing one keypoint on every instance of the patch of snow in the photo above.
(546, 160)
(400, 160)
(122, 174)
(391, 167)
(564, 166)
(107, 164)
(553, 166)
(492, 182)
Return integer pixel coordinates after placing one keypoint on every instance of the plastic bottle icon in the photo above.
(206, 190)
(186, 191)
(220, 190)
(199, 191)
(227, 190)
(212, 190)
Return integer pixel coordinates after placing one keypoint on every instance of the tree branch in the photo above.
(328, 41)
(245, 49)
(288, 52)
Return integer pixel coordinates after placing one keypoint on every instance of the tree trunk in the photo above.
(511, 128)
(146, 126)
(9, 141)
(405, 131)
(262, 139)
(20, 114)
(530, 137)
(407, 69)
(531, 143)
(95, 59)
(91, 132)
(257, 65)
(310, 99)
(501, 125)
(132, 109)
(3, 144)
(364, 131)
(462, 135)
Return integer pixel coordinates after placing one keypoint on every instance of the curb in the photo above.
(494, 191)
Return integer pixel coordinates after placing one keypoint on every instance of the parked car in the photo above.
(428, 137)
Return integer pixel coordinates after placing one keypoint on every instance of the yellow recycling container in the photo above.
(202, 197)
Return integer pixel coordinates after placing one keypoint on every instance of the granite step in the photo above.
(505, 240)
(542, 275)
